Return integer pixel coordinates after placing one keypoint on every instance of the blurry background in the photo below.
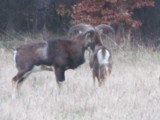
(135, 21)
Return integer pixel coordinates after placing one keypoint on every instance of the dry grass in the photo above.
(132, 92)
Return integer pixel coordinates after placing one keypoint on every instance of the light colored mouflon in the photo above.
(101, 64)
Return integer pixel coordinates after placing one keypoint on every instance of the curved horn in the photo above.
(79, 28)
(105, 28)
(88, 35)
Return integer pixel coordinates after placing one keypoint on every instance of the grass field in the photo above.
(132, 92)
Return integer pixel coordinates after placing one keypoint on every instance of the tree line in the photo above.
(135, 17)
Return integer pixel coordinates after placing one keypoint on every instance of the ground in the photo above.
(131, 92)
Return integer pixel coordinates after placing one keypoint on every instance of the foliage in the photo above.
(34, 15)
(108, 11)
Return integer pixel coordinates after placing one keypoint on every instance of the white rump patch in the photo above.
(103, 60)
(14, 57)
